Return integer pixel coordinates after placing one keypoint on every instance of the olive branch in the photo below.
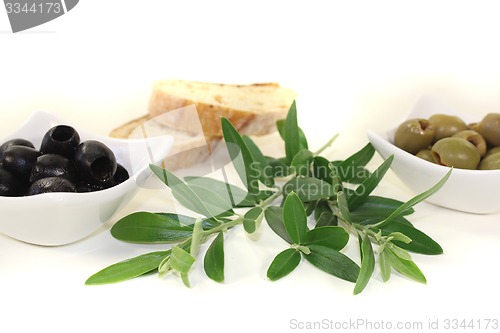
(311, 202)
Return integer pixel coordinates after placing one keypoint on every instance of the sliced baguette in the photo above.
(188, 149)
(252, 109)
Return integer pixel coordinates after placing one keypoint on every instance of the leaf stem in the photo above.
(326, 145)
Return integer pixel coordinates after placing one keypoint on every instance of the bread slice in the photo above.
(188, 148)
(253, 109)
(191, 112)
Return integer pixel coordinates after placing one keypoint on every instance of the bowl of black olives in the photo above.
(60, 184)
(433, 138)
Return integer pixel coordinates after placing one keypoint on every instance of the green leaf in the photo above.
(302, 161)
(243, 165)
(279, 167)
(403, 254)
(418, 198)
(292, 141)
(214, 259)
(145, 227)
(182, 192)
(274, 218)
(219, 203)
(295, 218)
(234, 194)
(333, 237)
(323, 214)
(352, 169)
(405, 267)
(333, 262)
(385, 266)
(362, 192)
(283, 264)
(129, 268)
(343, 207)
(326, 219)
(367, 265)
(323, 169)
(309, 188)
(377, 207)
(252, 219)
(280, 125)
(420, 242)
(260, 162)
(181, 260)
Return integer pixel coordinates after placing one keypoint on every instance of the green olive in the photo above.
(414, 135)
(493, 150)
(489, 128)
(456, 152)
(490, 162)
(426, 154)
(446, 125)
(475, 138)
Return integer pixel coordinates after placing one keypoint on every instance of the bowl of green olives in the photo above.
(432, 139)
(60, 184)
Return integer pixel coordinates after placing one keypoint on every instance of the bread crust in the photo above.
(190, 147)
(245, 121)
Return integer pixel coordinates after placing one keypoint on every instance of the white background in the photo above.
(354, 64)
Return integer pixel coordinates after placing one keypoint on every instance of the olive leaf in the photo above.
(309, 188)
(279, 167)
(252, 219)
(417, 199)
(316, 190)
(146, 227)
(291, 134)
(376, 207)
(367, 265)
(352, 169)
(302, 162)
(329, 236)
(420, 242)
(214, 259)
(295, 218)
(405, 267)
(333, 262)
(242, 163)
(363, 190)
(385, 266)
(181, 261)
(129, 268)
(260, 163)
(182, 192)
(274, 218)
(343, 207)
(283, 264)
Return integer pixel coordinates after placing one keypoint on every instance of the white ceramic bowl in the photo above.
(471, 191)
(62, 218)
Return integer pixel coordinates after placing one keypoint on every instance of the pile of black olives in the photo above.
(448, 140)
(62, 164)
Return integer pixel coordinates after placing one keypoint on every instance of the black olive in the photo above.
(14, 142)
(51, 184)
(121, 174)
(20, 160)
(95, 162)
(10, 186)
(61, 139)
(52, 165)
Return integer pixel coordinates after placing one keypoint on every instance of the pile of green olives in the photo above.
(61, 164)
(447, 140)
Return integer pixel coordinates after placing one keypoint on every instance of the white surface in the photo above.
(356, 65)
